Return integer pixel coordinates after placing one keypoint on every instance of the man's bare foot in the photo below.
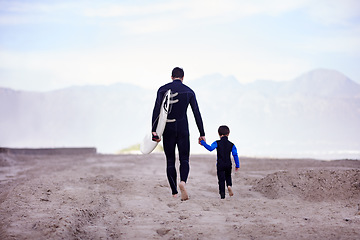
(230, 191)
(174, 195)
(184, 195)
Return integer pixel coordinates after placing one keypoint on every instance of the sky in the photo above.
(47, 45)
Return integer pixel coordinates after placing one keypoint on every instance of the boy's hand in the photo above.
(237, 169)
(202, 138)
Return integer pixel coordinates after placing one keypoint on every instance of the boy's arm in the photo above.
(208, 147)
(236, 157)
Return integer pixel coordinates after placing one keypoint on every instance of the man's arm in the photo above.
(199, 123)
(156, 111)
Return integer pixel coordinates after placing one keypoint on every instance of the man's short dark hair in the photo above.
(223, 130)
(177, 73)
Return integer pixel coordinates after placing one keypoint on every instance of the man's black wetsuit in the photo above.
(177, 132)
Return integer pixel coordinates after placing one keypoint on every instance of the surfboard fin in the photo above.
(170, 120)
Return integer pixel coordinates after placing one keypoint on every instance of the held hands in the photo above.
(201, 138)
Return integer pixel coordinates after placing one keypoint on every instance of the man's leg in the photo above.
(184, 153)
(169, 143)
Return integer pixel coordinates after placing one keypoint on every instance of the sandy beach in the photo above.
(96, 196)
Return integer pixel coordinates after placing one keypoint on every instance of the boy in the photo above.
(224, 147)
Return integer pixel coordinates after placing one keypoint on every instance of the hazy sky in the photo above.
(53, 44)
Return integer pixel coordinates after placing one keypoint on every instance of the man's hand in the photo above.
(201, 138)
(155, 137)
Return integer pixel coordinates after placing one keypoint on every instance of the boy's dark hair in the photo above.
(177, 73)
(223, 130)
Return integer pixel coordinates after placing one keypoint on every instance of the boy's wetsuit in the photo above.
(224, 147)
(177, 132)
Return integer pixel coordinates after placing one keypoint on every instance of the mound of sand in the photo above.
(312, 185)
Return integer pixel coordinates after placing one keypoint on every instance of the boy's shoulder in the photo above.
(227, 140)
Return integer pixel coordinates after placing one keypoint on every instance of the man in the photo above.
(176, 131)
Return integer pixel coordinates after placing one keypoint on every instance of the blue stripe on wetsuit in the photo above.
(214, 146)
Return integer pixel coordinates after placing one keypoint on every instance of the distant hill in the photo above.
(107, 117)
(325, 83)
(316, 113)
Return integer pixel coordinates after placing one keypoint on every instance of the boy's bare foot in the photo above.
(184, 195)
(174, 195)
(230, 191)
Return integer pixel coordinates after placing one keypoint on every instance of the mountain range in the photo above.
(314, 115)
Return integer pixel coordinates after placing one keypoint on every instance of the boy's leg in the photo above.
(221, 181)
(228, 180)
(231, 193)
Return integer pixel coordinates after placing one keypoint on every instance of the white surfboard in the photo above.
(148, 145)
